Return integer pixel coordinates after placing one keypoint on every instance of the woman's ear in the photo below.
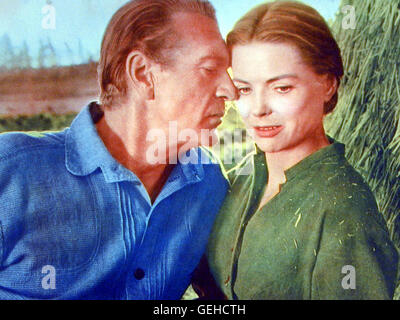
(138, 74)
(331, 85)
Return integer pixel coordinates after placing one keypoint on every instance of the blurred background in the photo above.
(49, 50)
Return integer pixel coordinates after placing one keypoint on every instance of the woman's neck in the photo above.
(279, 162)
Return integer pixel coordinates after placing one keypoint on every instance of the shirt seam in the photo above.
(124, 270)
(1, 245)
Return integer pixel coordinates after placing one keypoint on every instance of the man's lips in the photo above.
(214, 120)
(216, 115)
(268, 131)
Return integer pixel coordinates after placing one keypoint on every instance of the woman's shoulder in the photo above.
(349, 201)
(338, 189)
(344, 183)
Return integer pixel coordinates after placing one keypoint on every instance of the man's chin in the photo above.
(209, 137)
(211, 122)
(204, 138)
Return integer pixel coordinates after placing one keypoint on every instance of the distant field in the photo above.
(59, 90)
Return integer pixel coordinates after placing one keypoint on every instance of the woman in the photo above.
(303, 224)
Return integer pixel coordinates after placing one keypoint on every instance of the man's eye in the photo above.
(283, 89)
(244, 91)
(210, 69)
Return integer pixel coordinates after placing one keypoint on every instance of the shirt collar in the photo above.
(335, 152)
(85, 152)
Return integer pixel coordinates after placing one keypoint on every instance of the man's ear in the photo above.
(138, 73)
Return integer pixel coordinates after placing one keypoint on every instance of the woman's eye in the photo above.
(283, 89)
(244, 91)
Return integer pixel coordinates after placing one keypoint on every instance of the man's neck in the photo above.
(123, 132)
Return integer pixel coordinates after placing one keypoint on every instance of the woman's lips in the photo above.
(267, 131)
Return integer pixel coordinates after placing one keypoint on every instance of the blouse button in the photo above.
(139, 274)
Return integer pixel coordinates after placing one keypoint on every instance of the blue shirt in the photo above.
(75, 224)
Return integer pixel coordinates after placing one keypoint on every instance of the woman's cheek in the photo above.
(286, 106)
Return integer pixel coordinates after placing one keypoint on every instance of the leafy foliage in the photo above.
(38, 122)
(367, 117)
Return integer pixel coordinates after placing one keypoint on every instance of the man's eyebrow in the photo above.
(283, 76)
(213, 57)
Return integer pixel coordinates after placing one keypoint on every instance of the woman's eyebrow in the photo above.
(283, 76)
(239, 80)
(280, 77)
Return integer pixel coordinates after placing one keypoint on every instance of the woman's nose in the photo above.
(260, 106)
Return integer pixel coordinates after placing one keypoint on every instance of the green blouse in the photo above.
(298, 245)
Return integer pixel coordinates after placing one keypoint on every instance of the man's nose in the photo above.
(227, 90)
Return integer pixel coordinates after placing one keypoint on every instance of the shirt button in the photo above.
(139, 274)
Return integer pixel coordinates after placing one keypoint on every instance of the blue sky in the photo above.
(80, 24)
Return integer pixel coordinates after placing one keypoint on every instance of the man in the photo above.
(88, 213)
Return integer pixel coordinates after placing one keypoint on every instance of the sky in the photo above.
(75, 27)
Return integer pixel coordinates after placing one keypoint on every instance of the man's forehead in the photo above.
(196, 27)
(189, 21)
(204, 53)
(200, 35)
(214, 54)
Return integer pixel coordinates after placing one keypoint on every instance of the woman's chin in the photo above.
(268, 146)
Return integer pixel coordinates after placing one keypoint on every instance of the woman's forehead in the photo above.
(268, 58)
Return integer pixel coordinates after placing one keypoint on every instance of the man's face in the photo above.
(190, 93)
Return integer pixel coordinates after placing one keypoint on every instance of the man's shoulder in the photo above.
(27, 144)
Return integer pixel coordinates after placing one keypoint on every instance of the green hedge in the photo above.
(37, 122)
(367, 117)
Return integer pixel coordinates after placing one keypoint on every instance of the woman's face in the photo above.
(281, 98)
